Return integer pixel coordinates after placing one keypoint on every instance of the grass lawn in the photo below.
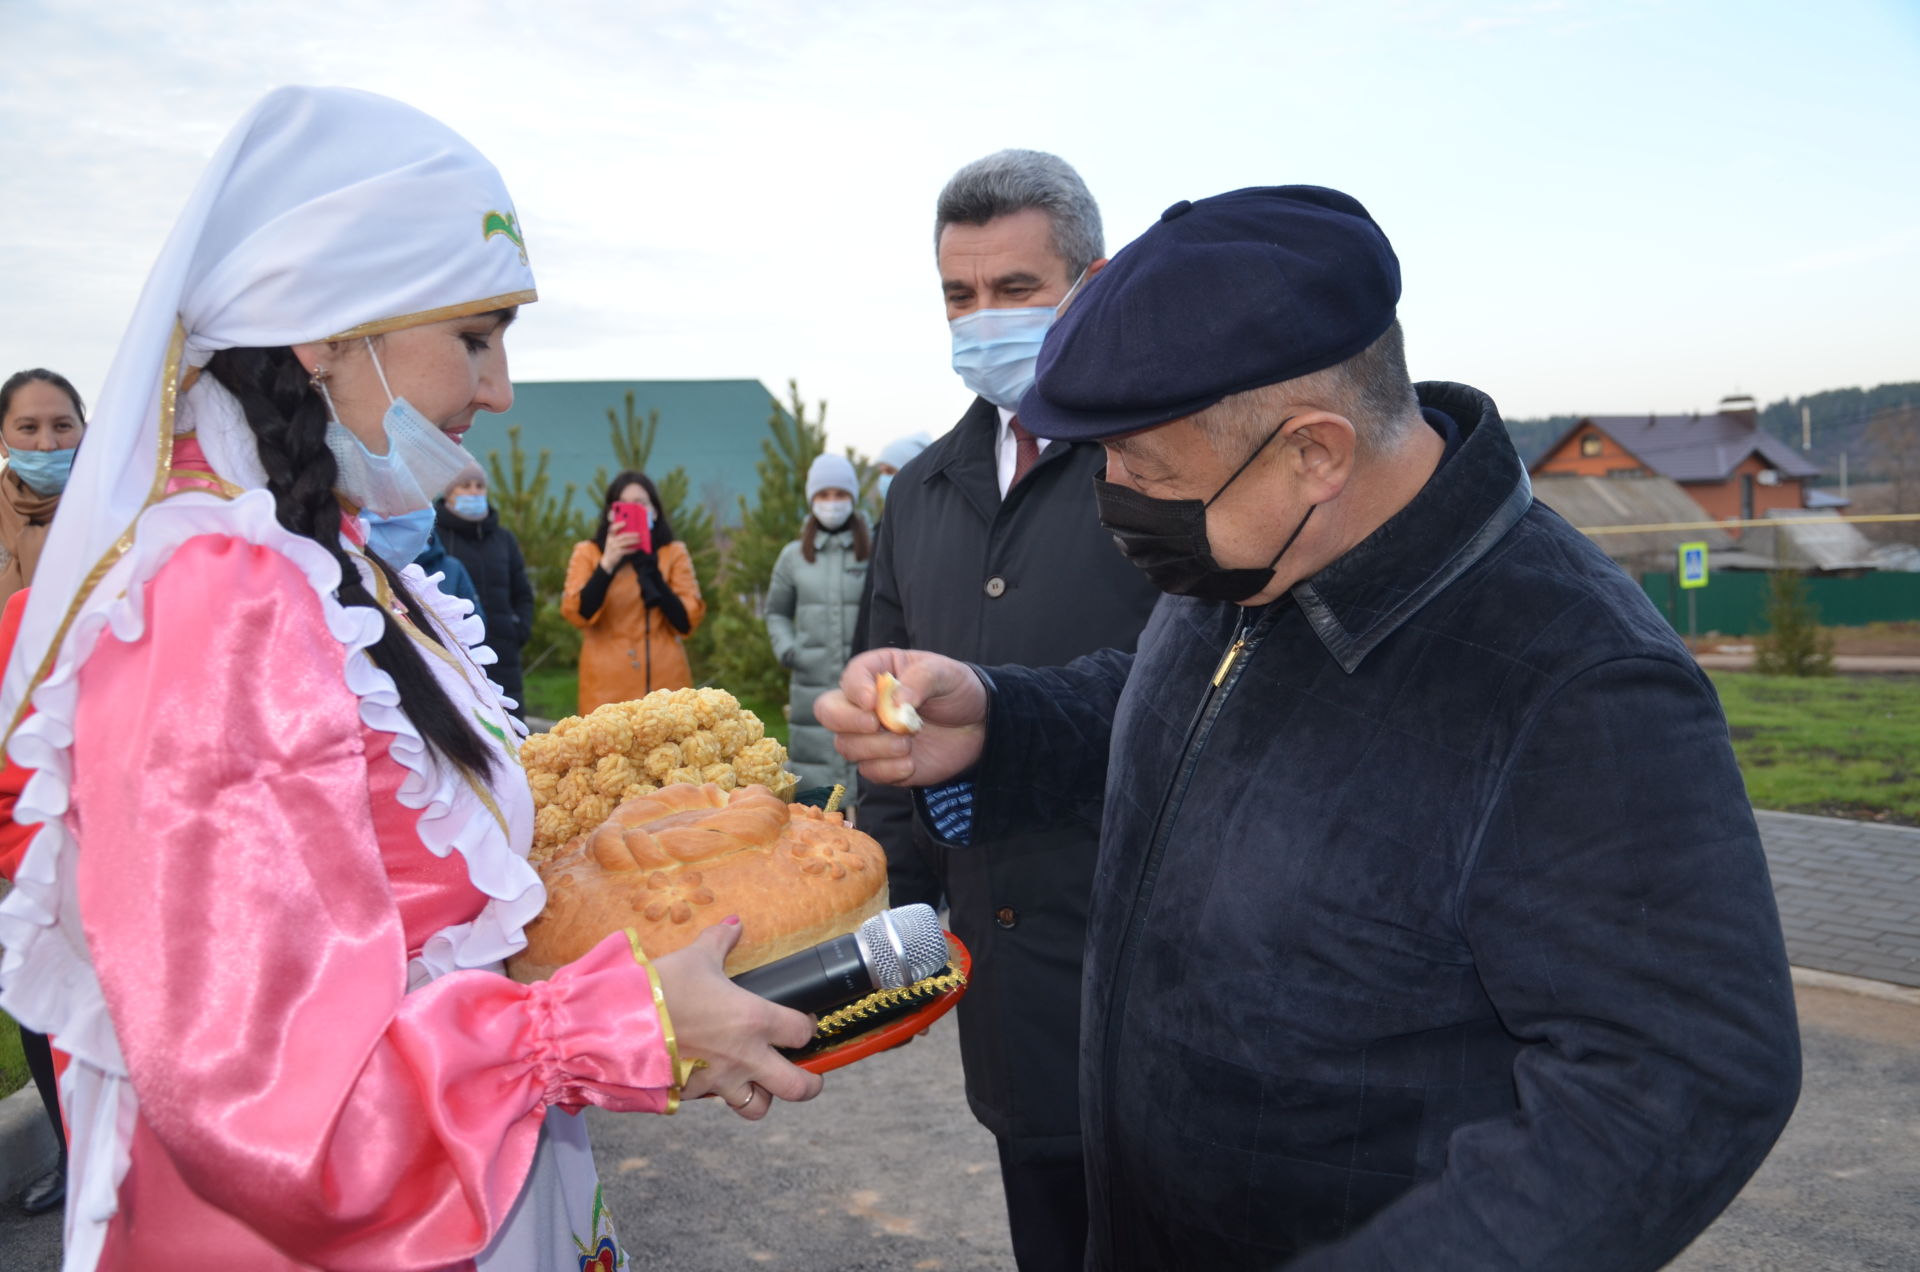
(1844, 746)
(13, 1061)
(555, 694)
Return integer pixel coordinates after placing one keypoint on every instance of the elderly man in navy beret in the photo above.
(1431, 928)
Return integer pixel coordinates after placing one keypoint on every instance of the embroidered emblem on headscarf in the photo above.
(503, 223)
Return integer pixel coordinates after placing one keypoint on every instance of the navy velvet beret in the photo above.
(1220, 296)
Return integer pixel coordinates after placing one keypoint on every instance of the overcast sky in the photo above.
(1599, 205)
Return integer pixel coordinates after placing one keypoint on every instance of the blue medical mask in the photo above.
(884, 484)
(472, 507)
(45, 472)
(419, 456)
(994, 350)
(398, 540)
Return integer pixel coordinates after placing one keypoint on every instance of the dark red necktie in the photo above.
(1026, 451)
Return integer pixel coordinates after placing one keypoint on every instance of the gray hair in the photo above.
(1371, 389)
(1010, 181)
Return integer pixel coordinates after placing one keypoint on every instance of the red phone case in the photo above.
(633, 519)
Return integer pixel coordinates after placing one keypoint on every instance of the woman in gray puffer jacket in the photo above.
(813, 603)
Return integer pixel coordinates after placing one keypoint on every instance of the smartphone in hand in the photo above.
(632, 517)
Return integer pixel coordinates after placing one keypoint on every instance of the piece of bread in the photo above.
(675, 862)
(895, 716)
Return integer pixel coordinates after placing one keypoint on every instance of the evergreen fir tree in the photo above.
(731, 649)
(1794, 644)
(547, 526)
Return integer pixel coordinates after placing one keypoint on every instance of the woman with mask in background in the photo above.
(281, 831)
(409, 539)
(632, 593)
(813, 606)
(469, 530)
(41, 423)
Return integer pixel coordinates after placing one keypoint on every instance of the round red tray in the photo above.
(895, 1032)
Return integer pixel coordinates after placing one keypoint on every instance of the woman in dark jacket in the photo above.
(470, 531)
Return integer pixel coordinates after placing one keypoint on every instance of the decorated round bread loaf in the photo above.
(675, 862)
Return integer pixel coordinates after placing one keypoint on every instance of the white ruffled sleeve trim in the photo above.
(47, 979)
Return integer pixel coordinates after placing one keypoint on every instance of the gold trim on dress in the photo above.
(681, 1070)
(380, 326)
(226, 488)
(384, 594)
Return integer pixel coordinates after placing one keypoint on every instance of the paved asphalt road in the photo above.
(887, 1170)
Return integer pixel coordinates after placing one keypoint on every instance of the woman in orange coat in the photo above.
(634, 596)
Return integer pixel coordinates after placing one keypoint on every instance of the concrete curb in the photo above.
(28, 1148)
(1886, 991)
(1819, 819)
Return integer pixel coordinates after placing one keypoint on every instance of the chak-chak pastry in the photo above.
(675, 862)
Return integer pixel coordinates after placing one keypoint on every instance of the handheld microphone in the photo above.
(891, 950)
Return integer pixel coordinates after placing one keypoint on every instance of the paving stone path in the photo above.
(1849, 894)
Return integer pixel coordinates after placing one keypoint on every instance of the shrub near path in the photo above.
(1844, 746)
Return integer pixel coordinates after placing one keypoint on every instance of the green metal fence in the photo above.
(1734, 602)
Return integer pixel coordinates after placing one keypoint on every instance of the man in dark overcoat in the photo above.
(991, 551)
(1431, 927)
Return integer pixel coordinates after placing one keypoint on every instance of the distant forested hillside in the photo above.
(1839, 418)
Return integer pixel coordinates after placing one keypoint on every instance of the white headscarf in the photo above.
(327, 213)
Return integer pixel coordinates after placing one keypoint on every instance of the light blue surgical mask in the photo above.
(419, 456)
(472, 507)
(398, 540)
(884, 484)
(45, 472)
(994, 349)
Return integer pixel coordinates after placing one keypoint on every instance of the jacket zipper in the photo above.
(1225, 677)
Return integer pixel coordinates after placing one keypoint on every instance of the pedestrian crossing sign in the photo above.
(1693, 565)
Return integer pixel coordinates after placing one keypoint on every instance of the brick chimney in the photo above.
(1742, 407)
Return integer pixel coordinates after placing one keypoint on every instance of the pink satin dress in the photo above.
(252, 891)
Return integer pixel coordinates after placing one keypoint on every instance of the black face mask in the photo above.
(1166, 539)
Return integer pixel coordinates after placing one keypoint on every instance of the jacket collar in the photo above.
(1466, 507)
(968, 456)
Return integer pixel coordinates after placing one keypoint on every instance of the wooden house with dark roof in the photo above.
(1725, 461)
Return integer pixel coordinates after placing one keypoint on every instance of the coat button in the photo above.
(996, 587)
(1005, 916)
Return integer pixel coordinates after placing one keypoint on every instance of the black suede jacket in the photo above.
(1431, 929)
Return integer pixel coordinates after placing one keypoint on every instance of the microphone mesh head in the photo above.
(903, 946)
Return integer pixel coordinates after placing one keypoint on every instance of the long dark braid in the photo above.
(289, 422)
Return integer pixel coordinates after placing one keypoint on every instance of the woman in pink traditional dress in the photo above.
(282, 839)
